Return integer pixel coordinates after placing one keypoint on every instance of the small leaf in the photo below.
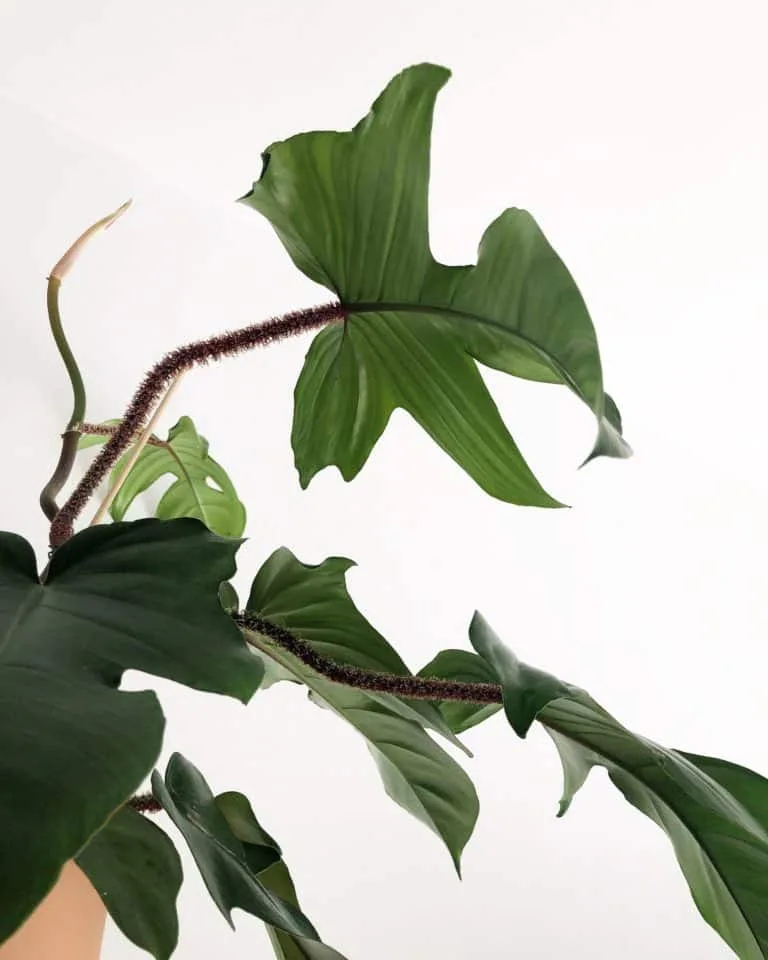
(136, 871)
(73, 747)
(351, 210)
(223, 859)
(261, 848)
(465, 667)
(714, 812)
(228, 597)
(313, 602)
(417, 774)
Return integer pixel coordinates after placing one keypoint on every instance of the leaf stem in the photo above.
(414, 688)
(157, 381)
(135, 452)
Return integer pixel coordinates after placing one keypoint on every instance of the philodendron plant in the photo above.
(155, 595)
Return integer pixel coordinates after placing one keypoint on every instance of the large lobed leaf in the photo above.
(351, 210)
(73, 747)
(417, 774)
(239, 862)
(201, 489)
(714, 812)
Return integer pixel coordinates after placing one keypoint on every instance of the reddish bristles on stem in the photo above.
(157, 381)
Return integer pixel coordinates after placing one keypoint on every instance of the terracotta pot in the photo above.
(67, 925)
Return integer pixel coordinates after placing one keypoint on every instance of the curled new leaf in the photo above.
(714, 812)
(351, 210)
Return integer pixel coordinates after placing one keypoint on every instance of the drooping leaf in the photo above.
(228, 865)
(714, 812)
(313, 602)
(202, 488)
(466, 667)
(287, 947)
(136, 871)
(260, 849)
(73, 747)
(351, 210)
(417, 774)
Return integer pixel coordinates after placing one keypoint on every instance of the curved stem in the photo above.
(156, 383)
(409, 686)
(75, 377)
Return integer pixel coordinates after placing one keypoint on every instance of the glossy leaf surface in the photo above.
(466, 667)
(229, 847)
(264, 857)
(136, 871)
(714, 812)
(351, 210)
(73, 747)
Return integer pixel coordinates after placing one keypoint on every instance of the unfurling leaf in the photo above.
(714, 812)
(351, 210)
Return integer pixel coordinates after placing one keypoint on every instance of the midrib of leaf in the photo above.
(33, 600)
(191, 486)
(395, 307)
(659, 799)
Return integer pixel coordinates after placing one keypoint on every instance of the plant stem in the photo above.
(413, 688)
(135, 453)
(72, 431)
(156, 382)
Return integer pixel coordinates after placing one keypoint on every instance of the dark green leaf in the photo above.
(277, 879)
(466, 667)
(220, 856)
(417, 774)
(714, 812)
(136, 871)
(260, 848)
(73, 748)
(351, 210)
(313, 602)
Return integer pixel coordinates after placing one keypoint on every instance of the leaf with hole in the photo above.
(140, 596)
(351, 210)
(135, 869)
(714, 812)
(202, 489)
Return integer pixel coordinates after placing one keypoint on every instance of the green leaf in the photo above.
(226, 863)
(465, 667)
(313, 602)
(714, 812)
(185, 456)
(260, 848)
(73, 747)
(351, 210)
(417, 774)
(277, 879)
(136, 871)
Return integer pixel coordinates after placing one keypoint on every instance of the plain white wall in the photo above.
(635, 133)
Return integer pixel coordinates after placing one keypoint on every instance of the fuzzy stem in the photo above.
(135, 453)
(156, 382)
(413, 688)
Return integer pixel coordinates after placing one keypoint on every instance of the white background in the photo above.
(635, 133)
